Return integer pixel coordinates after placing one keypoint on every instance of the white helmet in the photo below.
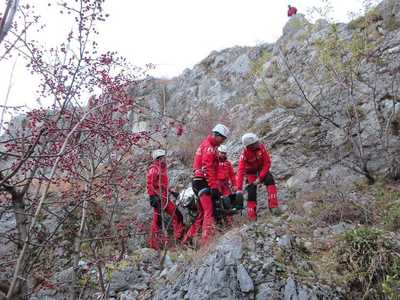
(223, 149)
(157, 153)
(249, 138)
(221, 129)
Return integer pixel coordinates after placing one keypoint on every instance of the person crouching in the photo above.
(254, 164)
(226, 183)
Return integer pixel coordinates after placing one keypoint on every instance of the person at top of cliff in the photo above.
(254, 165)
(159, 191)
(291, 11)
(205, 183)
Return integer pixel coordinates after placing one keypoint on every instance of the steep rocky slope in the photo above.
(325, 100)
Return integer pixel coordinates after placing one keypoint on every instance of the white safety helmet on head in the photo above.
(221, 130)
(249, 138)
(223, 149)
(157, 153)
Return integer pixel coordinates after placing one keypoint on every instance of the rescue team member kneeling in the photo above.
(254, 163)
(226, 183)
(205, 183)
(157, 190)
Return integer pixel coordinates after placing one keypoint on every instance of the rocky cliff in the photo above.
(325, 100)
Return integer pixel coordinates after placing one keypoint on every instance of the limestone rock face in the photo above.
(308, 118)
(242, 265)
(326, 119)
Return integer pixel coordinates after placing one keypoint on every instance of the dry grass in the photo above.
(204, 119)
(365, 257)
(289, 104)
(340, 207)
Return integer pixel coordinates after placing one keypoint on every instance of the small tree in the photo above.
(81, 152)
(348, 71)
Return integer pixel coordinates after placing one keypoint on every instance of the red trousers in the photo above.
(252, 195)
(204, 220)
(156, 237)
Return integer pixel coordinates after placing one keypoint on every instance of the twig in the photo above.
(304, 94)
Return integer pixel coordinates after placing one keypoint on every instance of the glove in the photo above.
(175, 194)
(155, 201)
(215, 194)
(239, 199)
(227, 203)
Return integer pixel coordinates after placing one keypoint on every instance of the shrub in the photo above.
(366, 257)
(362, 22)
(391, 284)
(334, 211)
(392, 218)
(354, 112)
(388, 205)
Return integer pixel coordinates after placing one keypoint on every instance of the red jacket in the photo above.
(226, 173)
(292, 11)
(205, 162)
(179, 130)
(157, 179)
(255, 162)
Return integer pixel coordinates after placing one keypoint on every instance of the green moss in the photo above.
(123, 264)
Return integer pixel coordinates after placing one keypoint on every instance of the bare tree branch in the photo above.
(8, 18)
(316, 110)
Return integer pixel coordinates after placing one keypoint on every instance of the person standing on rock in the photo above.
(205, 183)
(158, 191)
(292, 11)
(226, 181)
(254, 164)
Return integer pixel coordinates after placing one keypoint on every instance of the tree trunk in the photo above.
(21, 218)
(77, 253)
